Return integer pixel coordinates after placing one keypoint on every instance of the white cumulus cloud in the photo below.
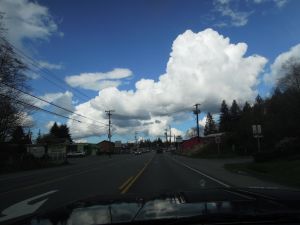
(26, 20)
(64, 100)
(203, 68)
(278, 67)
(98, 81)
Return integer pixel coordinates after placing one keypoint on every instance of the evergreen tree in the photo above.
(246, 108)
(224, 117)
(54, 131)
(210, 125)
(39, 137)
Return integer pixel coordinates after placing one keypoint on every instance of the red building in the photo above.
(187, 145)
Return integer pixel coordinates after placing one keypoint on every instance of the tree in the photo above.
(18, 135)
(210, 125)
(291, 76)
(57, 134)
(39, 137)
(246, 108)
(12, 73)
(192, 132)
(54, 130)
(235, 112)
(224, 117)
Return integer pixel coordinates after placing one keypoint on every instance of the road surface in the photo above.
(100, 175)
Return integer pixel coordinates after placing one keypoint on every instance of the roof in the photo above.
(105, 141)
(214, 135)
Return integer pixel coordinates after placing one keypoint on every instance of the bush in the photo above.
(287, 148)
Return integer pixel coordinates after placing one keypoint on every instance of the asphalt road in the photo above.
(100, 175)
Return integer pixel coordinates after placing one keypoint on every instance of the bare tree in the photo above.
(12, 77)
(291, 78)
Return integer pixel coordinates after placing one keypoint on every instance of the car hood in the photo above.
(207, 203)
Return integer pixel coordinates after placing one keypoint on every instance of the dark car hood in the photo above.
(206, 203)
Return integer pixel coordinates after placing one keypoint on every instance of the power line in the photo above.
(45, 70)
(41, 99)
(47, 111)
(38, 108)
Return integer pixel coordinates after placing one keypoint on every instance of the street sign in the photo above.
(178, 139)
(256, 128)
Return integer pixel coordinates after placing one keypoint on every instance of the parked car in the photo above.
(75, 154)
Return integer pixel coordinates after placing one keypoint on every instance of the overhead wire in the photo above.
(37, 65)
(51, 103)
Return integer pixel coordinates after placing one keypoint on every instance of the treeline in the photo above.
(57, 134)
(278, 115)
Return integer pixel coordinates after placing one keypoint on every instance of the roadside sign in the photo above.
(178, 139)
(258, 129)
(118, 144)
(36, 151)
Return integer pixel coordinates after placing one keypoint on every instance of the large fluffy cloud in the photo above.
(98, 81)
(26, 20)
(279, 66)
(203, 68)
(64, 100)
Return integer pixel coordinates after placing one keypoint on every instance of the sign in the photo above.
(36, 151)
(178, 139)
(256, 129)
(57, 152)
(118, 144)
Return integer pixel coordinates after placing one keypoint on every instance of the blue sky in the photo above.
(99, 36)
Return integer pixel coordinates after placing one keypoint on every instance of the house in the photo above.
(213, 138)
(188, 145)
(106, 146)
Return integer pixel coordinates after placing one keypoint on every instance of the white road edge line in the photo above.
(201, 173)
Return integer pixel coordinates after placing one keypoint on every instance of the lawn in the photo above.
(286, 172)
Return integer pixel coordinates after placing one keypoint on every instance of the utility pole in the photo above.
(197, 112)
(108, 112)
(166, 134)
(136, 140)
(170, 135)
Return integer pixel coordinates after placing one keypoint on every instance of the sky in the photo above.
(149, 61)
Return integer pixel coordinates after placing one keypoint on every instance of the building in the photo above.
(106, 146)
(188, 145)
(213, 138)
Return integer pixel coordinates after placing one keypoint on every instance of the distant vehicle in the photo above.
(137, 152)
(75, 154)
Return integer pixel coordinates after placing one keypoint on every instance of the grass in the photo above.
(286, 172)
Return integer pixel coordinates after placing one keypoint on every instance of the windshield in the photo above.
(140, 98)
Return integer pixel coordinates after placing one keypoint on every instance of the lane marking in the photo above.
(201, 173)
(58, 179)
(125, 183)
(126, 188)
(24, 207)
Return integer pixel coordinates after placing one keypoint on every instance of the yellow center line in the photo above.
(125, 183)
(126, 187)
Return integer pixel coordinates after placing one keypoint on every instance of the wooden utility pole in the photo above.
(197, 112)
(109, 113)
